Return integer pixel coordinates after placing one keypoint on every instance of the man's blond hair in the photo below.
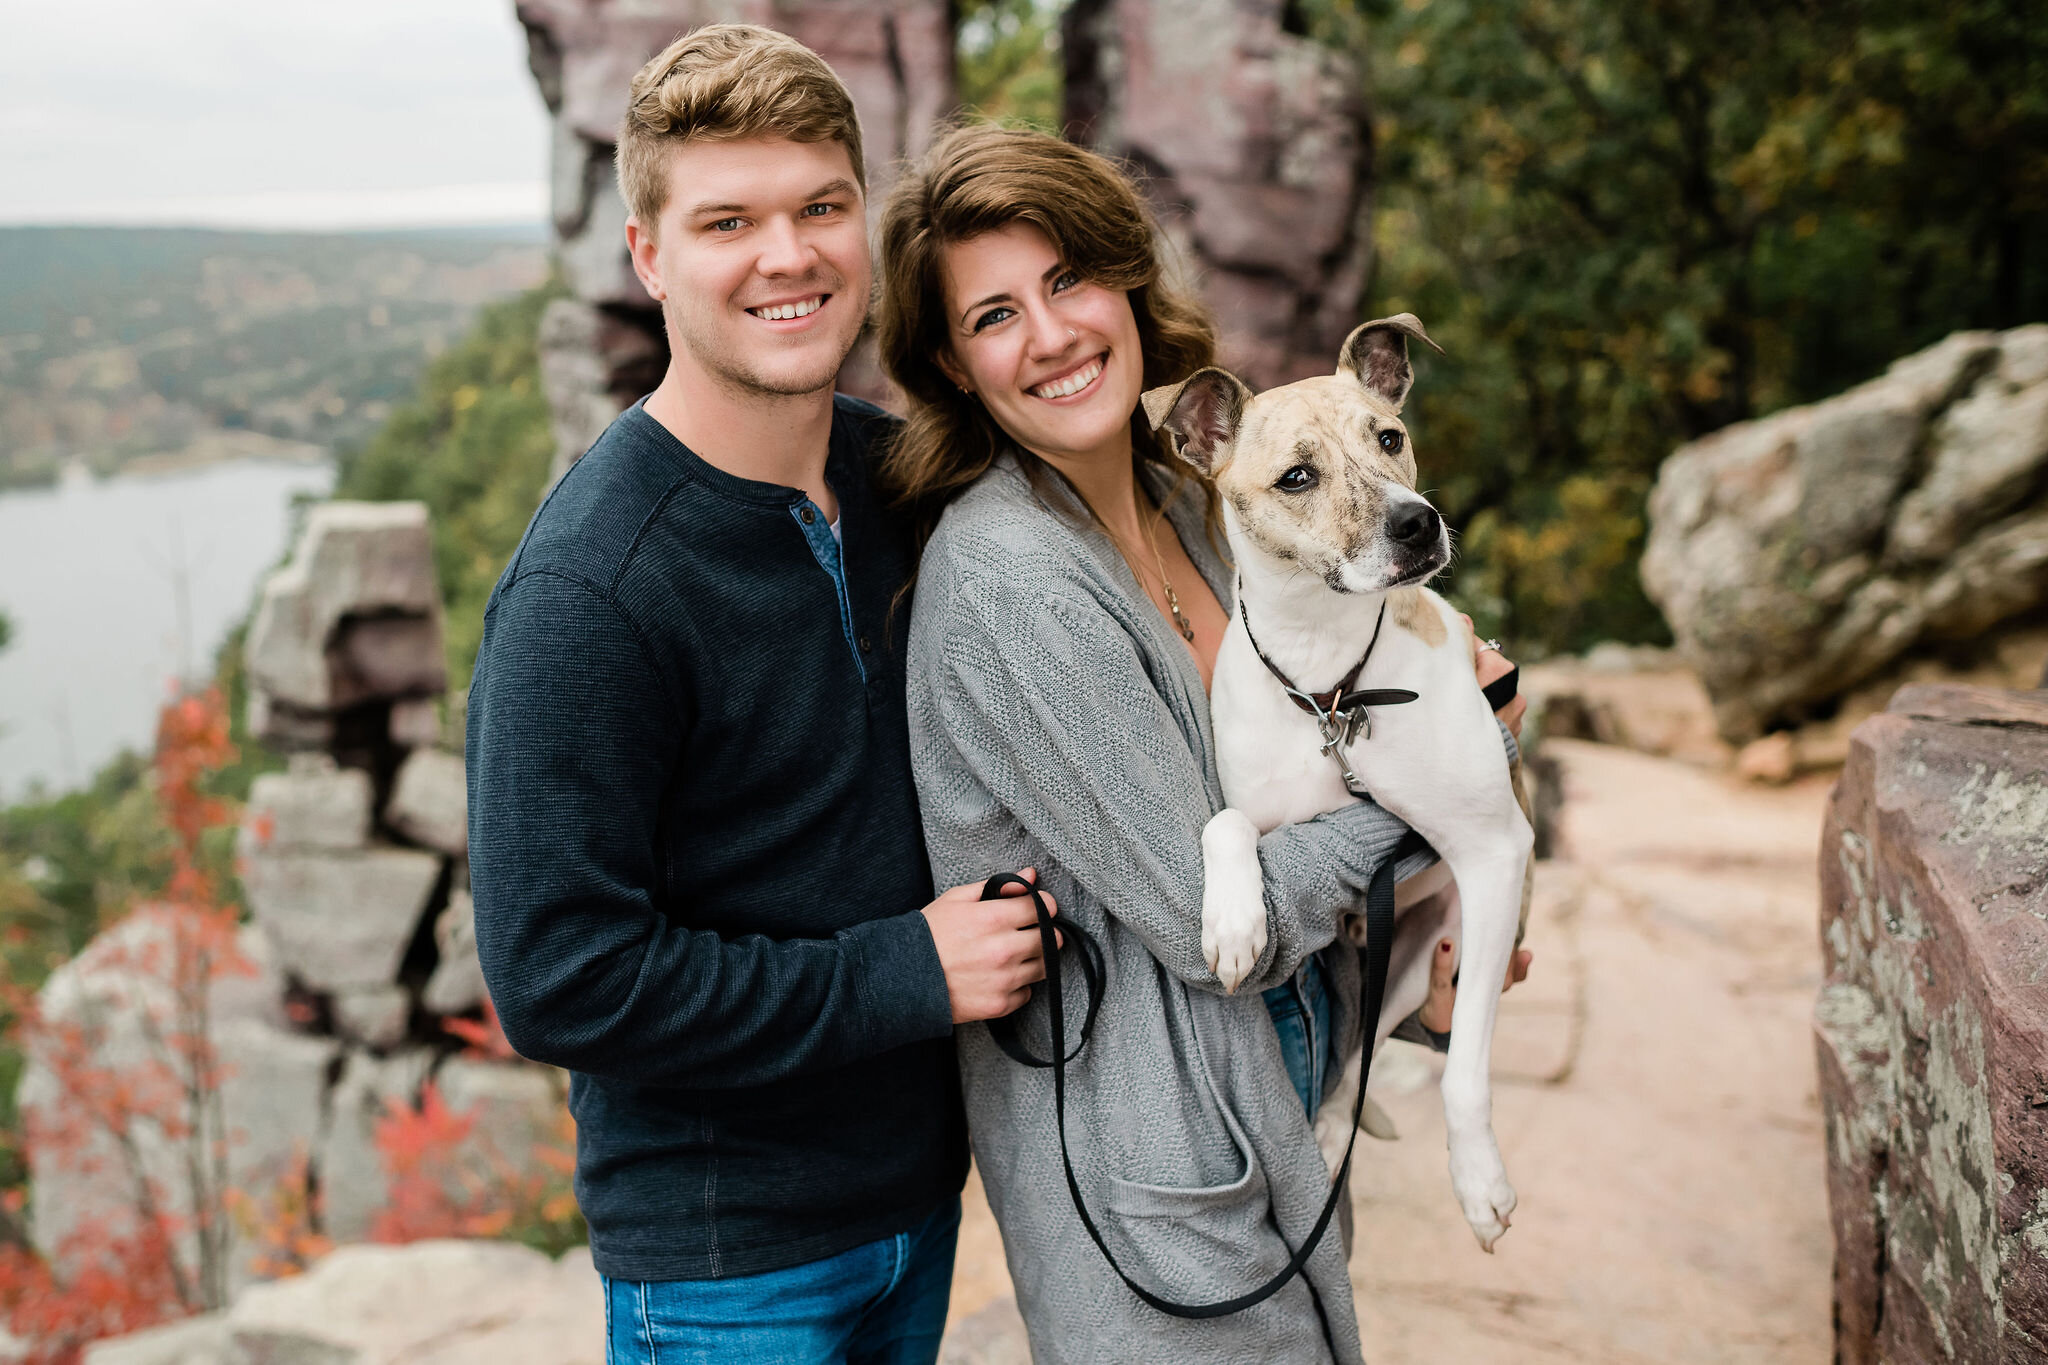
(724, 82)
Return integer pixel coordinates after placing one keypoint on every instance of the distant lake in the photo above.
(117, 587)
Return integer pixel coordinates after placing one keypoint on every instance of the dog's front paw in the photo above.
(1233, 938)
(1481, 1184)
(1233, 899)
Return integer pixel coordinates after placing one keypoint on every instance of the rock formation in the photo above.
(1253, 138)
(603, 347)
(1799, 555)
(355, 870)
(376, 1305)
(1932, 1029)
(1258, 153)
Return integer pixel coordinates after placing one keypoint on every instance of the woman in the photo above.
(1069, 607)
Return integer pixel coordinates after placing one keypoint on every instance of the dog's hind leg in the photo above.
(1490, 889)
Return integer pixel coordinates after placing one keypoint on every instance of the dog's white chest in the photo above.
(1269, 753)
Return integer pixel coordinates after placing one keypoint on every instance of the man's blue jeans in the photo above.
(879, 1304)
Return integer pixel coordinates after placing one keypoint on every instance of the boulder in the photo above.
(1639, 698)
(116, 1000)
(415, 721)
(375, 1016)
(1801, 554)
(430, 802)
(1932, 1029)
(457, 984)
(1257, 153)
(518, 1106)
(428, 1303)
(312, 804)
(341, 918)
(273, 1097)
(204, 1340)
(355, 615)
(353, 1185)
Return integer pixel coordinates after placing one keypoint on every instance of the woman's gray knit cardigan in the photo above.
(1058, 722)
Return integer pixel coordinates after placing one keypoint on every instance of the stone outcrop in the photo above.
(1800, 555)
(115, 993)
(1253, 139)
(353, 621)
(430, 802)
(1258, 155)
(430, 1303)
(354, 866)
(1932, 1029)
(603, 347)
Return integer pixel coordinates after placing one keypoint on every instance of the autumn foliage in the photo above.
(129, 1095)
(136, 1072)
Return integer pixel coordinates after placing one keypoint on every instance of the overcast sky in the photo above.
(268, 113)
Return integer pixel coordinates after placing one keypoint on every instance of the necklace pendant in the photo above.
(1180, 618)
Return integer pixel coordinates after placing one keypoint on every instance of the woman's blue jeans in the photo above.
(1300, 1008)
(883, 1303)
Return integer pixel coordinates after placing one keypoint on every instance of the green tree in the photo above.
(1008, 61)
(6, 630)
(1633, 223)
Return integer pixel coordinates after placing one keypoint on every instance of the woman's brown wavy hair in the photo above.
(976, 179)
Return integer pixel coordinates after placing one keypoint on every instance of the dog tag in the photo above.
(1354, 718)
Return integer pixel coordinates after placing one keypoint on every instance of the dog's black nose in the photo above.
(1413, 524)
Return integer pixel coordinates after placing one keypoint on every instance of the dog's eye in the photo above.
(1390, 441)
(1296, 479)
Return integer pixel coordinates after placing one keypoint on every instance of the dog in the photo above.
(1332, 546)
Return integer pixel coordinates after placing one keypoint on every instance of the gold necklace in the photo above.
(1180, 618)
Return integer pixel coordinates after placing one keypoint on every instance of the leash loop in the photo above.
(1379, 920)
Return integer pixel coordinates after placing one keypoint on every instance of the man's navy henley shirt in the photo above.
(696, 858)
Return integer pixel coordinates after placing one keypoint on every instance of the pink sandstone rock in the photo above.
(1258, 151)
(1932, 1029)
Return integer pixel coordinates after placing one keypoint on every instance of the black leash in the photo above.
(1379, 921)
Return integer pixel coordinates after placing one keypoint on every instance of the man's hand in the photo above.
(1489, 663)
(989, 949)
(1443, 992)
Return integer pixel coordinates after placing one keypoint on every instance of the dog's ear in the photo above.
(1377, 353)
(1201, 413)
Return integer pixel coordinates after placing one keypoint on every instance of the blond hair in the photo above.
(720, 83)
(977, 179)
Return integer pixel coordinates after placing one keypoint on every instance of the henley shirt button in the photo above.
(864, 644)
(808, 515)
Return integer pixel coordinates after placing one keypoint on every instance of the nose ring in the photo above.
(1073, 335)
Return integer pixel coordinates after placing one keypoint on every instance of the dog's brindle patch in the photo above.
(1412, 613)
(1329, 425)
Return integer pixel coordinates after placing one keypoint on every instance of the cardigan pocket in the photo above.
(1133, 1199)
(1194, 1243)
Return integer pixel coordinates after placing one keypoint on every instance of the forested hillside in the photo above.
(118, 344)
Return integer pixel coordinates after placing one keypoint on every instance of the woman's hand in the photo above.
(1489, 663)
(1435, 1013)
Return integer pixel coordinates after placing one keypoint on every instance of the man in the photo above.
(695, 846)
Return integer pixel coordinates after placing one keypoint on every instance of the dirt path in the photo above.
(1654, 1099)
